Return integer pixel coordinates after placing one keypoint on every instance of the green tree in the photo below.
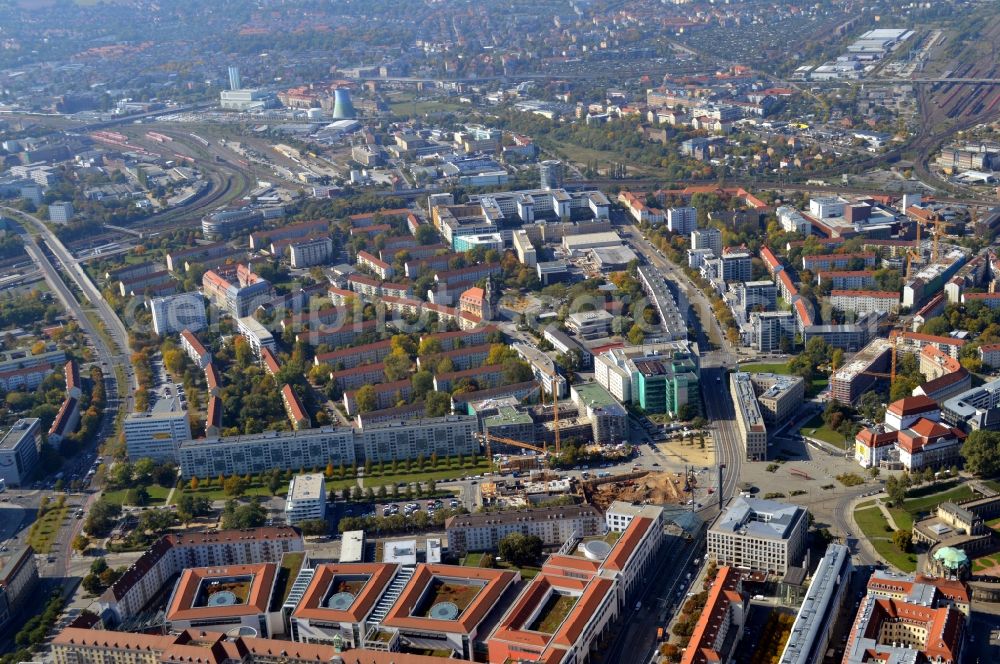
(234, 486)
(314, 527)
(397, 366)
(274, 483)
(437, 404)
(423, 382)
(902, 539)
(366, 399)
(520, 550)
(636, 335)
(981, 451)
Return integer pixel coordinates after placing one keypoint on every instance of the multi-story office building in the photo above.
(682, 220)
(174, 313)
(237, 291)
(820, 609)
(553, 525)
(779, 396)
(172, 553)
(310, 252)
(61, 212)
(590, 324)
(158, 433)
(18, 577)
(673, 323)
(770, 327)
(19, 448)
(620, 514)
(707, 238)
(306, 498)
(976, 408)
(291, 450)
(853, 379)
(551, 174)
(749, 421)
(758, 296)
(864, 302)
(608, 418)
(792, 221)
(658, 377)
(257, 336)
(525, 249)
(759, 535)
(735, 266)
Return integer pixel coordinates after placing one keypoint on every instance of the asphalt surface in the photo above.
(643, 614)
(714, 363)
(118, 396)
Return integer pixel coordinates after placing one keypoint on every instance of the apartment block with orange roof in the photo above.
(720, 626)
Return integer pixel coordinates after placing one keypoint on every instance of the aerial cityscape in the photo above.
(563, 332)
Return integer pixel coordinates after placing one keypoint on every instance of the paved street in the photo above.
(714, 364)
(636, 639)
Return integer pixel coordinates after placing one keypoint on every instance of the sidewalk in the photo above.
(886, 513)
(863, 542)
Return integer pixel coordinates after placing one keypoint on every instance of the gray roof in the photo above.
(818, 608)
(760, 518)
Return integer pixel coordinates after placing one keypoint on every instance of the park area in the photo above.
(816, 428)
(920, 502)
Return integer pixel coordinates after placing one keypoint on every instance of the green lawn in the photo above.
(157, 495)
(873, 524)
(291, 563)
(766, 367)
(916, 506)
(473, 559)
(815, 428)
(984, 563)
(903, 519)
(553, 613)
(375, 480)
(43, 532)
(216, 492)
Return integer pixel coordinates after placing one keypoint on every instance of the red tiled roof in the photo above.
(803, 312)
(295, 410)
(193, 342)
(269, 360)
(311, 607)
(723, 594)
(912, 406)
(185, 596)
(468, 619)
(627, 543)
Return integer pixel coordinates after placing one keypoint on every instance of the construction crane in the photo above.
(892, 372)
(913, 254)
(487, 437)
(555, 402)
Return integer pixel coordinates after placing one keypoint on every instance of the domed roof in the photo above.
(951, 557)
